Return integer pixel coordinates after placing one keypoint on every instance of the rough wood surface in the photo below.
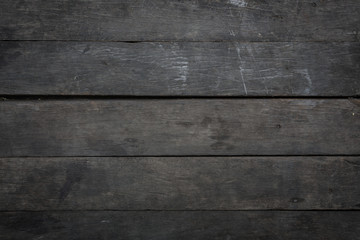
(180, 127)
(204, 20)
(207, 225)
(181, 183)
(179, 69)
(56, 170)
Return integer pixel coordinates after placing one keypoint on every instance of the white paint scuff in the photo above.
(182, 66)
(238, 3)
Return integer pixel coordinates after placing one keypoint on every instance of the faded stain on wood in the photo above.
(179, 183)
(179, 127)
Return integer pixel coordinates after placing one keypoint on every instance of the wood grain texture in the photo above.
(180, 69)
(204, 20)
(180, 127)
(181, 183)
(181, 225)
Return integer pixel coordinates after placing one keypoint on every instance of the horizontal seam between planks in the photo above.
(172, 41)
(188, 210)
(186, 156)
(9, 97)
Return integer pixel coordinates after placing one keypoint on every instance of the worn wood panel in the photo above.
(180, 69)
(273, 225)
(180, 183)
(179, 127)
(138, 20)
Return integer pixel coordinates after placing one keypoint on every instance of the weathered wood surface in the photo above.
(180, 69)
(207, 225)
(180, 183)
(180, 127)
(204, 20)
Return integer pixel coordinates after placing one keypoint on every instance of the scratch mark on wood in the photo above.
(261, 75)
(305, 73)
(241, 69)
(355, 164)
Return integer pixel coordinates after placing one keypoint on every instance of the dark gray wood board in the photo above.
(180, 183)
(195, 20)
(180, 69)
(177, 127)
(208, 225)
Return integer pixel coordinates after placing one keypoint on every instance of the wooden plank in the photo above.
(166, 127)
(318, 225)
(138, 20)
(180, 69)
(180, 183)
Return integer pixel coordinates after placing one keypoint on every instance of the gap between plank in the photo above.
(170, 41)
(9, 97)
(189, 156)
(189, 210)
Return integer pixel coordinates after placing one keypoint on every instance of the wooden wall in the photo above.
(164, 119)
